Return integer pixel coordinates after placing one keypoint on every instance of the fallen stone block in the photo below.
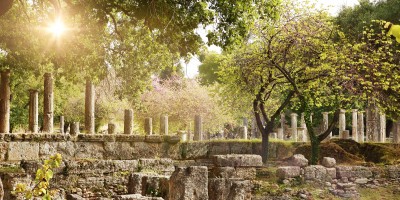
(297, 160)
(328, 162)
(288, 172)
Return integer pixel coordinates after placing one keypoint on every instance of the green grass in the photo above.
(391, 192)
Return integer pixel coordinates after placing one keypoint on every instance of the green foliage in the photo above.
(208, 70)
(351, 20)
(41, 187)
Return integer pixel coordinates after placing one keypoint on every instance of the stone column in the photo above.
(342, 122)
(360, 126)
(112, 128)
(148, 126)
(74, 128)
(245, 125)
(5, 96)
(396, 132)
(128, 121)
(280, 133)
(345, 134)
(198, 132)
(89, 107)
(283, 121)
(62, 131)
(293, 123)
(325, 124)
(372, 117)
(48, 105)
(33, 111)
(354, 127)
(304, 128)
(301, 134)
(382, 128)
(164, 125)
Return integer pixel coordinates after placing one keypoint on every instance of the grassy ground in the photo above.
(391, 192)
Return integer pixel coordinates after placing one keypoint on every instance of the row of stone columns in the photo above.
(375, 123)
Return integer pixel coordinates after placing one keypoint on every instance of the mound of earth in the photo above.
(330, 149)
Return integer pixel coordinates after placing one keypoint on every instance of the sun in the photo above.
(57, 28)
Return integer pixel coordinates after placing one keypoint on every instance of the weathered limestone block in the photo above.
(155, 185)
(331, 172)
(125, 165)
(239, 190)
(135, 183)
(328, 162)
(222, 189)
(237, 160)
(189, 183)
(172, 139)
(23, 151)
(217, 189)
(393, 171)
(247, 173)
(317, 173)
(3, 150)
(89, 150)
(297, 160)
(112, 128)
(288, 172)
(353, 172)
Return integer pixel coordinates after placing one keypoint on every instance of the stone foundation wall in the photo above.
(17, 147)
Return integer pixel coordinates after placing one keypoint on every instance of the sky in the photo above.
(333, 7)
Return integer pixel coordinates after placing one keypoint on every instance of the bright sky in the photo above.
(333, 6)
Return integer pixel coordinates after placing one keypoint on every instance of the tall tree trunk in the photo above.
(5, 94)
(264, 146)
(314, 149)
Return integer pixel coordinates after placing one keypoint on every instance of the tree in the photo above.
(181, 99)
(209, 67)
(135, 39)
(284, 66)
(352, 20)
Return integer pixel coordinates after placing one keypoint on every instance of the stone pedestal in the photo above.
(245, 125)
(303, 125)
(48, 105)
(342, 122)
(33, 111)
(325, 124)
(345, 134)
(148, 126)
(396, 132)
(128, 121)
(280, 133)
(360, 126)
(293, 123)
(74, 128)
(372, 119)
(164, 125)
(89, 107)
(198, 132)
(354, 125)
(382, 128)
(62, 131)
(112, 128)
